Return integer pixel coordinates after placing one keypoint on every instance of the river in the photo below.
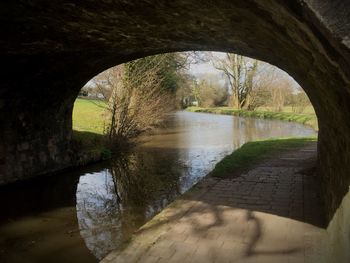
(81, 216)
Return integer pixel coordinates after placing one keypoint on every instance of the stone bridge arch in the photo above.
(49, 49)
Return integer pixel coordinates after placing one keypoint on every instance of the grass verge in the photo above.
(306, 119)
(88, 125)
(88, 115)
(251, 153)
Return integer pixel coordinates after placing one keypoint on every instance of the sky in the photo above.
(201, 68)
(207, 68)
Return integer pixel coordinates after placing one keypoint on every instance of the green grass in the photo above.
(88, 126)
(252, 152)
(289, 109)
(88, 116)
(307, 119)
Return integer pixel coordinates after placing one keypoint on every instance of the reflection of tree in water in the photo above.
(145, 181)
(115, 202)
(146, 178)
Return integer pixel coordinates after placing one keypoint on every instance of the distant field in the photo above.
(88, 115)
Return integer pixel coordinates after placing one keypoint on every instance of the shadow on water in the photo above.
(81, 216)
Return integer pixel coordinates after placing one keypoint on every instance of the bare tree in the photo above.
(137, 102)
(300, 101)
(240, 73)
(272, 87)
(208, 92)
(279, 92)
(104, 82)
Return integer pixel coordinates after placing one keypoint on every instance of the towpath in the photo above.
(270, 214)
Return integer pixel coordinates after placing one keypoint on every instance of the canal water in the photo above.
(81, 216)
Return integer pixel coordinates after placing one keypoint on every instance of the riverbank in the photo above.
(88, 115)
(306, 119)
(270, 213)
(89, 144)
(251, 153)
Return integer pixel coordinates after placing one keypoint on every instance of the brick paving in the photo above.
(272, 213)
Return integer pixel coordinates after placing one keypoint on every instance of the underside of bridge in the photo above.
(50, 49)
